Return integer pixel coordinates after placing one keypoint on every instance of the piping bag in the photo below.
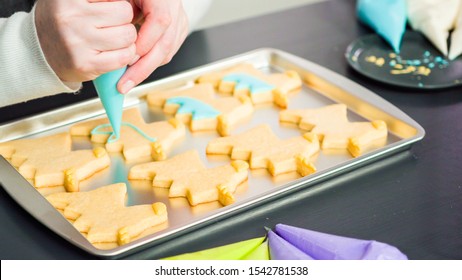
(112, 99)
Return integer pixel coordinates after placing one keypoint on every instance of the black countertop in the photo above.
(412, 200)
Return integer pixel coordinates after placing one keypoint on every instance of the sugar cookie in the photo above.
(198, 106)
(334, 130)
(101, 214)
(49, 161)
(186, 176)
(263, 149)
(246, 80)
(138, 139)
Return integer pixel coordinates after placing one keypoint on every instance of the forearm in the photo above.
(24, 71)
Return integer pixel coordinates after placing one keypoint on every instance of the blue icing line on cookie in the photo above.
(244, 81)
(198, 109)
(114, 137)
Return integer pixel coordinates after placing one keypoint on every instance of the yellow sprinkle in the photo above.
(408, 70)
(399, 66)
(371, 58)
(422, 70)
(392, 55)
(380, 61)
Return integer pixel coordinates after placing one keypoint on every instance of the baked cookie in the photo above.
(334, 130)
(102, 217)
(49, 161)
(186, 176)
(198, 106)
(263, 149)
(246, 80)
(138, 139)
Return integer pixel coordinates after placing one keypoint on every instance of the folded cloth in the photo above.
(386, 17)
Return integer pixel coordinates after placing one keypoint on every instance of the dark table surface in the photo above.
(412, 200)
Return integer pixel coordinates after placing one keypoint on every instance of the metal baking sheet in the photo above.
(321, 87)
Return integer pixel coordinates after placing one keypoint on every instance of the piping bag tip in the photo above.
(111, 98)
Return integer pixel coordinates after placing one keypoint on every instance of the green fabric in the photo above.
(260, 253)
(234, 251)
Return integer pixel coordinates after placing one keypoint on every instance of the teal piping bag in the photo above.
(387, 17)
(112, 99)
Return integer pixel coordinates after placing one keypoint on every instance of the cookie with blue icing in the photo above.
(201, 108)
(245, 80)
(138, 139)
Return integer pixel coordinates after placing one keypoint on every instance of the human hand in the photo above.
(82, 39)
(164, 27)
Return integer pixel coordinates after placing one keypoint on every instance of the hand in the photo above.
(82, 39)
(163, 29)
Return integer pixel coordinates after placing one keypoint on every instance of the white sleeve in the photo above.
(24, 71)
(195, 10)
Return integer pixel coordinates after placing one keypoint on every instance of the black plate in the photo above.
(431, 69)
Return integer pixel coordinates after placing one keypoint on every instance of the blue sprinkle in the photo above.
(392, 63)
(420, 84)
(417, 62)
(426, 60)
(431, 65)
(438, 59)
(426, 53)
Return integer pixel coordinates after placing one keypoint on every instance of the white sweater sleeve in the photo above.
(195, 10)
(24, 71)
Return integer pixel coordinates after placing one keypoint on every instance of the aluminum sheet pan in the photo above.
(321, 87)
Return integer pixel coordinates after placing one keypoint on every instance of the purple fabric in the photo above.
(322, 246)
(283, 250)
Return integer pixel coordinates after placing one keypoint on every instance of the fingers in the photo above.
(157, 19)
(115, 59)
(181, 35)
(114, 38)
(162, 50)
(136, 73)
(105, 14)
